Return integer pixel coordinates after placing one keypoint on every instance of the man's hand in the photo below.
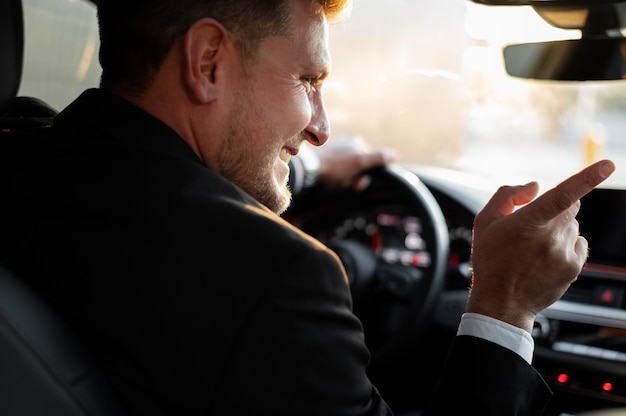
(524, 261)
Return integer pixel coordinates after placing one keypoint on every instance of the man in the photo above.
(148, 216)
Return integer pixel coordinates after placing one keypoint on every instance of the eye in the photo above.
(311, 84)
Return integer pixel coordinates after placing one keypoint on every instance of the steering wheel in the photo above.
(393, 240)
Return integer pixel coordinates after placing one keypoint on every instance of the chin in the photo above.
(276, 198)
(283, 201)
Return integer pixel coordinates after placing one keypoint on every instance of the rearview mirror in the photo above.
(586, 59)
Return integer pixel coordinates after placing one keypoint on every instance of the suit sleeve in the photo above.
(484, 378)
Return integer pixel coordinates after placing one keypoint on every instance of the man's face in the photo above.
(277, 107)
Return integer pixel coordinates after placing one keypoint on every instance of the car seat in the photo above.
(16, 112)
(43, 368)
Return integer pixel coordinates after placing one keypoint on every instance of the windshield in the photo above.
(426, 77)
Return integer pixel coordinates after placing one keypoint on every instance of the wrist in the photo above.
(505, 313)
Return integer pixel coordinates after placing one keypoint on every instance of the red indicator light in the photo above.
(562, 378)
(607, 386)
(607, 297)
(377, 242)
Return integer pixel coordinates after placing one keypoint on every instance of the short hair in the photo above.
(136, 35)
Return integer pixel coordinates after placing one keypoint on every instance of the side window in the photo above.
(60, 50)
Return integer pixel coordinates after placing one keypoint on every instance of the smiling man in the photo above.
(154, 200)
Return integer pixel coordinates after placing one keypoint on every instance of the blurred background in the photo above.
(432, 83)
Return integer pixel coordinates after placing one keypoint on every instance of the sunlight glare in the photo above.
(510, 24)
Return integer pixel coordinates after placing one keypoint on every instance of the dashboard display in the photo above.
(602, 220)
(394, 237)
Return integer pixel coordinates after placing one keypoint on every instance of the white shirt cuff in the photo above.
(501, 333)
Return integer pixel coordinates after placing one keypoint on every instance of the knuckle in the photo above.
(563, 200)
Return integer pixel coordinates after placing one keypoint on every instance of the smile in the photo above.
(285, 155)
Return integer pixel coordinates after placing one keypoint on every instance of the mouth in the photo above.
(285, 154)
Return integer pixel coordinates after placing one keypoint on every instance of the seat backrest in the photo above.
(16, 112)
(43, 369)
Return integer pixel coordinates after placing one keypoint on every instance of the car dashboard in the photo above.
(580, 341)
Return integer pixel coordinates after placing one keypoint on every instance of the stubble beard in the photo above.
(251, 167)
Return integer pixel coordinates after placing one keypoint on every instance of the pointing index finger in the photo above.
(561, 197)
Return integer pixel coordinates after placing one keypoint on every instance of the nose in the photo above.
(318, 129)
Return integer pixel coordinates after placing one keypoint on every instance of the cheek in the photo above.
(292, 110)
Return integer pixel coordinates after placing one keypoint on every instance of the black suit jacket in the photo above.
(194, 298)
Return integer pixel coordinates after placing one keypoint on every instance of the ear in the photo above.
(205, 43)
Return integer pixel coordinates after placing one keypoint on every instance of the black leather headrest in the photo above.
(12, 50)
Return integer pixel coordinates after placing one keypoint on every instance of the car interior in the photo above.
(405, 243)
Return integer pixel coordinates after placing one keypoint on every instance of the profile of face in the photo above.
(277, 107)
